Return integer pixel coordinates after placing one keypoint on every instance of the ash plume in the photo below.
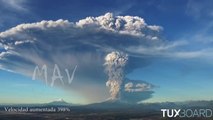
(115, 63)
(83, 43)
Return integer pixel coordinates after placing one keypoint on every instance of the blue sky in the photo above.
(187, 24)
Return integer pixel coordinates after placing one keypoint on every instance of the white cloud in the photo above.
(155, 27)
(13, 12)
(43, 25)
(136, 90)
(16, 4)
(164, 49)
(139, 87)
(22, 42)
(121, 24)
(1, 46)
(199, 54)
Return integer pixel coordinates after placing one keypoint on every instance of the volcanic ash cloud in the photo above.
(115, 63)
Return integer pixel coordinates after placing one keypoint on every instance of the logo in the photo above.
(188, 113)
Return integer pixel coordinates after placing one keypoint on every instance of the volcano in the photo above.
(59, 102)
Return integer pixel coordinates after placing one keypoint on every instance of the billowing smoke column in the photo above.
(115, 63)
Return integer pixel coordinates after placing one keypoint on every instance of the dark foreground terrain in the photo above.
(80, 116)
(88, 116)
(101, 111)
